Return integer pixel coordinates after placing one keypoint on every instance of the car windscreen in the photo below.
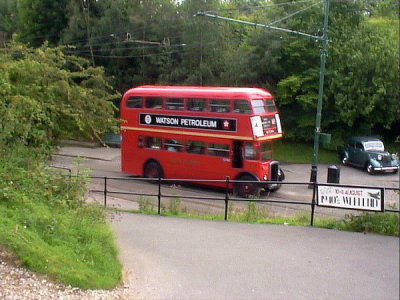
(374, 146)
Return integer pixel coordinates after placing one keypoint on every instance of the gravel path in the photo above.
(16, 283)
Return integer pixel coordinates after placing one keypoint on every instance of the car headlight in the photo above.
(379, 157)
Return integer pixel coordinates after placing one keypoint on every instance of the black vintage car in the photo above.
(368, 153)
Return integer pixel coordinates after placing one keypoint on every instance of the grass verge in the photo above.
(46, 223)
(368, 222)
(294, 152)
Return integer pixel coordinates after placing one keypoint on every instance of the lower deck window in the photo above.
(152, 142)
(221, 150)
(173, 145)
(195, 147)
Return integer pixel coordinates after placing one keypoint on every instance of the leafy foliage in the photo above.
(162, 42)
(41, 20)
(46, 95)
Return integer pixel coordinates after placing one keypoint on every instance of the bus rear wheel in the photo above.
(152, 170)
(246, 189)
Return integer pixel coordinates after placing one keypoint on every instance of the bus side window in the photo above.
(220, 106)
(140, 142)
(153, 143)
(221, 150)
(174, 103)
(153, 102)
(194, 104)
(241, 107)
(134, 102)
(173, 145)
(195, 147)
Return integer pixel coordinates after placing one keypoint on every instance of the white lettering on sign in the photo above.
(167, 121)
(351, 197)
(206, 123)
(198, 123)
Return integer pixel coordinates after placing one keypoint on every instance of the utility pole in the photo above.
(323, 54)
(317, 133)
(85, 6)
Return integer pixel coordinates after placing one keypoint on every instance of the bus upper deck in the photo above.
(247, 113)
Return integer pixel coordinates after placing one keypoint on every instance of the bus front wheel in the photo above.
(152, 170)
(246, 189)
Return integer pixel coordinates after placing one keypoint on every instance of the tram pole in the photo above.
(317, 132)
(323, 54)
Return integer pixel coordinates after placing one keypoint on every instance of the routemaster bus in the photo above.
(203, 133)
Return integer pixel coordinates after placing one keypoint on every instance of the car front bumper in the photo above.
(386, 169)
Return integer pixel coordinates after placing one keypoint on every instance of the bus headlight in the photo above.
(265, 178)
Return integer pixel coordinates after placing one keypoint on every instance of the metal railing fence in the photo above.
(227, 196)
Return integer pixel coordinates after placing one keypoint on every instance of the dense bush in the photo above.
(46, 95)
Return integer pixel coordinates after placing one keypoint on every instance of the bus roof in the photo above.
(199, 91)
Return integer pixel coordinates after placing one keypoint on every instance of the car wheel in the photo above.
(345, 160)
(370, 169)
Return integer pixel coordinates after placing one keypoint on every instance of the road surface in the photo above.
(171, 258)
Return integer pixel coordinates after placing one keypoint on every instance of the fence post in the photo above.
(105, 191)
(313, 203)
(159, 195)
(226, 197)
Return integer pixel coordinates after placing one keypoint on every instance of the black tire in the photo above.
(344, 160)
(152, 170)
(246, 190)
(370, 169)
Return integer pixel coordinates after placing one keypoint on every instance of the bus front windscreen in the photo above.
(266, 151)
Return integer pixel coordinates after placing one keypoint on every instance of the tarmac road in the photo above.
(171, 258)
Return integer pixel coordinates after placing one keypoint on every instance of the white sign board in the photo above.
(371, 199)
(256, 124)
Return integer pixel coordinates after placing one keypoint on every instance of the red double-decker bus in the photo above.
(185, 132)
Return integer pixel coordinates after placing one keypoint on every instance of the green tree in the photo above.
(361, 84)
(8, 17)
(46, 95)
(41, 20)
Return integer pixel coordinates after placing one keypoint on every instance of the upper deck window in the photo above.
(220, 106)
(174, 103)
(258, 106)
(134, 102)
(270, 104)
(153, 102)
(194, 104)
(241, 107)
